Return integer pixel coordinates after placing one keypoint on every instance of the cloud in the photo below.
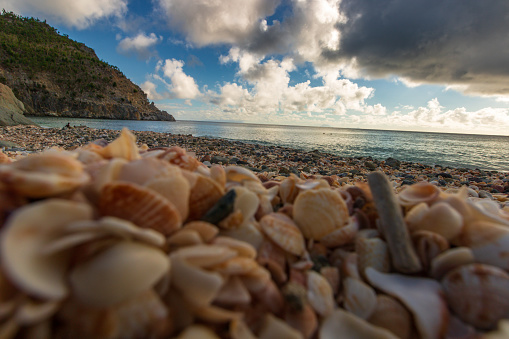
(454, 42)
(177, 83)
(77, 13)
(215, 22)
(140, 45)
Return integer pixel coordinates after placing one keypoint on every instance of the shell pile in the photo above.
(120, 241)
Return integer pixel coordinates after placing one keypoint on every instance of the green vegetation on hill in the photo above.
(54, 75)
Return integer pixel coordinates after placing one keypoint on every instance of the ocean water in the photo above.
(455, 150)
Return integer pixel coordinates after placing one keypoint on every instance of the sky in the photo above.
(417, 65)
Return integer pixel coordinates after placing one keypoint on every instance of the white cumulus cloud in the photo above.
(77, 13)
(141, 45)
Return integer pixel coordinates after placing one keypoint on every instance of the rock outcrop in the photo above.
(56, 76)
(11, 109)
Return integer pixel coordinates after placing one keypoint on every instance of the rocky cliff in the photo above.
(11, 109)
(56, 76)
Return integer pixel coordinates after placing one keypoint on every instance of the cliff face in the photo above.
(53, 75)
(11, 109)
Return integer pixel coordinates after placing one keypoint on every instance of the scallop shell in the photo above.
(43, 174)
(391, 315)
(185, 237)
(422, 297)
(346, 325)
(417, 193)
(141, 206)
(118, 273)
(440, 218)
(478, 294)
(146, 169)
(428, 245)
(284, 232)
(176, 189)
(359, 297)
(26, 233)
(239, 174)
(319, 293)
(204, 194)
(122, 147)
(319, 212)
(342, 236)
(206, 231)
(288, 189)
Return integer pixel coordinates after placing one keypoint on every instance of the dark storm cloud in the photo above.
(455, 42)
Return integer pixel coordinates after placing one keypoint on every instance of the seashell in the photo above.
(342, 236)
(197, 331)
(216, 315)
(240, 330)
(233, 293)
(265, 291)
(449, 260)
(391, 315)
(87, 157)
(218, 173)
(477, 294)
(43, 174)
(185, 237)
(206, 230)
(249, 232)
(284, 232)
(488, 241)
(205, 193)
(31, 312)
(371, 251)
(428, 245)
(303, 320)
(239, 174)
(101, 174)
(26, 233)
(359, 297)
(312, 184)
(319, 212)
(122, 147)
(141, 206)
(419, 295)
(236, 266)
(319, 293)
(458, 329)
(417, 193)
(440, 218)
(142, 315)
(111, 226)
(331, 274)
(118, 273)
(288, 189)
(247, 202)
(347, 325)
(501, 332)
(274, 258)
(242, 248)
(178, 156)
(276, 328)
(175, 189)
(146, 169)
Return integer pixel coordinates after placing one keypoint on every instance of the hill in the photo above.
(53, 75)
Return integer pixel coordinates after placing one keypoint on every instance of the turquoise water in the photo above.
(456, 150)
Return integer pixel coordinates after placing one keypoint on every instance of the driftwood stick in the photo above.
(404, 258)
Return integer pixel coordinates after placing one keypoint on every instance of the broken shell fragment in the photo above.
(114, 275)
(24, 236)
(122, 147)
(319, 212)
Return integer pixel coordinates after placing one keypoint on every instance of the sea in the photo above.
(484, 152)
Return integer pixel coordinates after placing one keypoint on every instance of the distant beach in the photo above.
(271, 161)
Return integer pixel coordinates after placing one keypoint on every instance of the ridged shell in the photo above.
(342, 236)
(118, 273)
(449, 260)
(141, 206)
(26, 233)
(391, 315)
(319, 212)
(176, 189)
(276, 328)
(478, 294)
(284, 232)
(359, 297)
(288, 189)
(144, 170)
(428, 245)
(422, 297)
(203, 196)
(417, 193)
(43, 174)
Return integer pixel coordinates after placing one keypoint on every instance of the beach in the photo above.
(268, 161)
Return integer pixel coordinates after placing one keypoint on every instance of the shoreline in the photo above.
(272, 160)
